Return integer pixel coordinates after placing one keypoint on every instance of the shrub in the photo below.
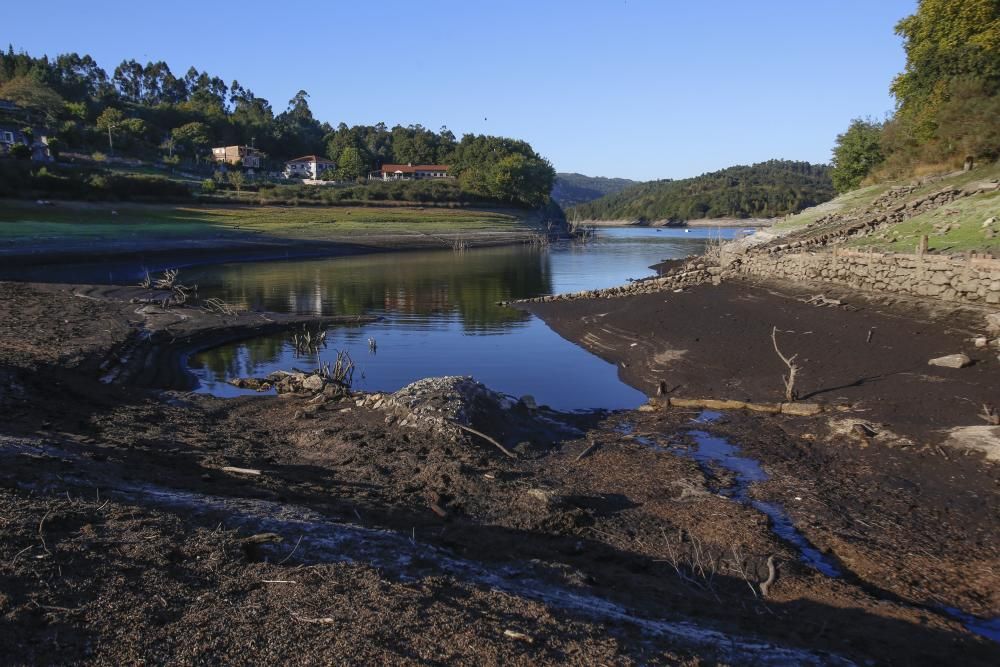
(20, 152)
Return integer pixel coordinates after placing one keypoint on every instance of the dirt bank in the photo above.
(126, 534)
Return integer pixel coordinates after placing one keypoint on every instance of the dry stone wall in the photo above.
(971, 280)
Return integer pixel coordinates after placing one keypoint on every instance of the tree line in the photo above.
(763, 190)
(947, 97)
(148, 111)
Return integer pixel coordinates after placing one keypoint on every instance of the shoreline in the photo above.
(182, 238)
(758, 223)
(609, 512)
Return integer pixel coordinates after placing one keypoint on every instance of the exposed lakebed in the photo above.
(439, 314)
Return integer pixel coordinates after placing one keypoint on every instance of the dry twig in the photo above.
(790, 394)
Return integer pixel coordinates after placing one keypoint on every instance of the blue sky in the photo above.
(634, 88)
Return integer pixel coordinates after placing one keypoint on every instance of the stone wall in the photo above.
(971, 280)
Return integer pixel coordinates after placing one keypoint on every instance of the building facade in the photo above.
(409, 172)
(308, 166)
(38, 143)
(247, 156)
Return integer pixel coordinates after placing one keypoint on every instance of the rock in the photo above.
(989, 221)
(993, 322)
(313, 383)
(528, 401)
(980, 342)
(985, 439)
(959, 360)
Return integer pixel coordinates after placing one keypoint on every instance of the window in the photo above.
(8, 137)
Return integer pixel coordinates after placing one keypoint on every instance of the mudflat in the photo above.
(145, 524)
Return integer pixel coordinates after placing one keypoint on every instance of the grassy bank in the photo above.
(953, 227)
(99, 226)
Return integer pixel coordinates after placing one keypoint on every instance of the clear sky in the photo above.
(640, 89)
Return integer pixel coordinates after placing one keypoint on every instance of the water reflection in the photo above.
(440, 315)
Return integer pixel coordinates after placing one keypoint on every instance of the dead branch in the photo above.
(487, 439)
(790, 394)
(591, 447)
(990, 414)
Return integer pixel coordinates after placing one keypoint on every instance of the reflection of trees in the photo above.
(415, 284)
(243, 359)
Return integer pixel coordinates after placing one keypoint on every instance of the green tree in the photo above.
(169, 144)
(109, 121)
(20, 152)
(236, 180)
(41, 102)
(945, 40)
(193, 137)
(857, 152)
(351, 165)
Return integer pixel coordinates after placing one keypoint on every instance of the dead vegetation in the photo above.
(307, 342)
(341, 372)
(791, 395)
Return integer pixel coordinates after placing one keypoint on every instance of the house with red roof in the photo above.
(409, 172)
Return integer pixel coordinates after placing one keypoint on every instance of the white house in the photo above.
(308, 166)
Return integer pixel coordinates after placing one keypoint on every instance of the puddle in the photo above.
(713, 450)
(988, 628)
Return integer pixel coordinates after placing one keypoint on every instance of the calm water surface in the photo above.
(440, 315)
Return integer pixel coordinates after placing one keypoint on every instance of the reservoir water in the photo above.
(439, 314)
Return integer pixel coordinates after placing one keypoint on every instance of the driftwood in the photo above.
(795, 409)
(771, 576)
(821, 300)
(487, 439)
(241, 471)
(591, 447)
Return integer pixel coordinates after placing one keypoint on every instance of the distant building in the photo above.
(248, 156)
(308, 166)
(38, 142)
(408, 172)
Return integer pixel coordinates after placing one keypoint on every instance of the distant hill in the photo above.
(572, 189)
(764, 190)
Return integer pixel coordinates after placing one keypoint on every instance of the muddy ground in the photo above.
(123, 540)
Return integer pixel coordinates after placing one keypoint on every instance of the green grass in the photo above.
(76, 223)
(964, 217)
(955, 227)
(845, 203)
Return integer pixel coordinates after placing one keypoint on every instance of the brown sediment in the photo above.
(124, 531)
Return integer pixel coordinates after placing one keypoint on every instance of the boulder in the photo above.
(959, 360)
(313, 383)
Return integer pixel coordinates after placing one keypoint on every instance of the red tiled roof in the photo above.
(311, 158)
(412, 168)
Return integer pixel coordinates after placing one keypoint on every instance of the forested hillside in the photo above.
(172, 120)
(763, 190)
(947, 99)
(573, 189)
